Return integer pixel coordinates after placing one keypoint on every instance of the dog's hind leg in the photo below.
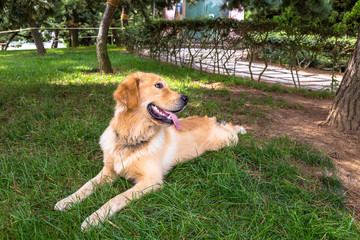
(120, 201)
(105, 175)
(224, 134)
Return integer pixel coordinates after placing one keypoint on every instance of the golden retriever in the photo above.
(145, 139)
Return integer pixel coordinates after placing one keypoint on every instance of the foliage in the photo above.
(340, 9)
(16, 13)
(296, 18)
(220, 37)
(260, 9)
(69, 13)
(288, 39)
(78, 13)
(352, 18)
(144, 7)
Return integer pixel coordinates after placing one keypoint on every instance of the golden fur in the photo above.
(141, 148)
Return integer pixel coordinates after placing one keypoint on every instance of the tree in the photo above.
(340, 8)
(33, 12)
(37, 37)
(345, 111)
(111, 5)
(80, 13)
(344, 114)
(101, 42)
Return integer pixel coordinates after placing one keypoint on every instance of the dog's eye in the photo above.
(158, 85)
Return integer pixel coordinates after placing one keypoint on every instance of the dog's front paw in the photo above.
(96, 218)
(92, 221)
(64, 204)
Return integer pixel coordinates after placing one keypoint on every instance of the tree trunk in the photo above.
(9, 40)
(70, 42)
(345, 111)
(101, 42)
(75, 32)
(74, 37)
(37, 38)
(153, 9)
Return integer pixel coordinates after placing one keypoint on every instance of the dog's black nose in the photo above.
(184, 98)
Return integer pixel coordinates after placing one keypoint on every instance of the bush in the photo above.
(209, 44)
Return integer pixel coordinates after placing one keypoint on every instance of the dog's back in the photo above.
(201, 134)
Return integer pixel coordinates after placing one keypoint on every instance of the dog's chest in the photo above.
(126, 159)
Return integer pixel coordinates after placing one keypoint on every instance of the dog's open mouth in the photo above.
(163, 115)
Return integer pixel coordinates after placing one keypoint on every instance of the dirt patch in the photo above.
(303, 123)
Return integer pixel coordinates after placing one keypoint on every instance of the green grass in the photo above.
(53, 110)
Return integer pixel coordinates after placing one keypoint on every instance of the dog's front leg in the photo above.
(105, 175)
(120, 201)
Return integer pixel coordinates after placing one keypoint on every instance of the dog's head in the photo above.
(149, 95)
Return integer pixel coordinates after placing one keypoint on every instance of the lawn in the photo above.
(53, 110)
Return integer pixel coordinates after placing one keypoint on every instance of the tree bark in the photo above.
(101, 42)
(37, 38)
(75, 32)
(345, 111)
(70, 42)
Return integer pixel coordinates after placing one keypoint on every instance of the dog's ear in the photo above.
(128, 91)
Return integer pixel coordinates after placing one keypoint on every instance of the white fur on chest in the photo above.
(109, 141)
(170, 152)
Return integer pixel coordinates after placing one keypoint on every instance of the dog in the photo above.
(145, 139)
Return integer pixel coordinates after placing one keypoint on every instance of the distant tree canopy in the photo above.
(33, 13)
(341, 14)
(264, 8)
(17, 14)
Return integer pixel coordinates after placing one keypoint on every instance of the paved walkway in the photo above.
(238, 64)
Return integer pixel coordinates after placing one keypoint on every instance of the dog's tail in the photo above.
(240, 129)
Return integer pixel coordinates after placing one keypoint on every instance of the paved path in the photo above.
(28, 46)
(241, 67)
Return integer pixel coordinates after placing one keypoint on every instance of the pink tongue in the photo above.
(175, 120)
